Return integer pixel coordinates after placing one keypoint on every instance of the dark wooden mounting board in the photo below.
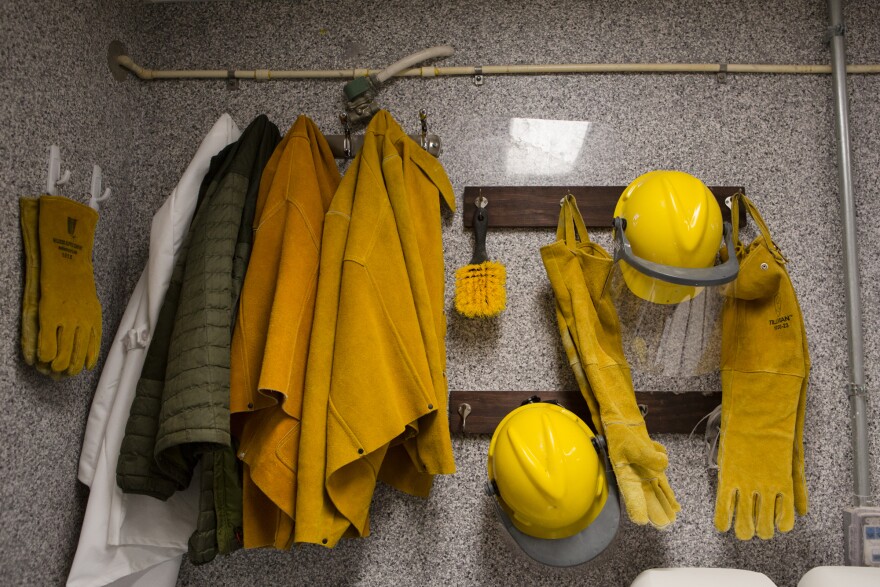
(667, 412)
(538, 206)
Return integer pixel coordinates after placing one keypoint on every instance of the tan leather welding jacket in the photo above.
(271, 337)
(375, 404)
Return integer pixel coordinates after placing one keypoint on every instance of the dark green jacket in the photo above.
(136, 469)
(180, 416)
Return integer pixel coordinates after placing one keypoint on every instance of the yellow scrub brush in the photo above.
(479, 286)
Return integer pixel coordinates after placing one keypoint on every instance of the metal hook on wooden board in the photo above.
(464, 409)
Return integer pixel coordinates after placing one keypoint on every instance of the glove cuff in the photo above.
(67, 230)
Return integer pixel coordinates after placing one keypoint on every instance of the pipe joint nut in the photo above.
(855, 390)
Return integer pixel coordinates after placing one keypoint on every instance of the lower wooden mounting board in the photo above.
(665, 411)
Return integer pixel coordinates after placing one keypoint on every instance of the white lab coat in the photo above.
(127, 539)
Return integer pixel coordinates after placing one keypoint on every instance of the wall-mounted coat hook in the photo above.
(346, 140)
(55, 177)
(423, 118)
(97, 196)
(464, 410)
(346, 146)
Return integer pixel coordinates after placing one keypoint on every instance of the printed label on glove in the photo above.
(68, 248)
(781, 322)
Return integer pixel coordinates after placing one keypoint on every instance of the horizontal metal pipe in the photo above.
(266, 74)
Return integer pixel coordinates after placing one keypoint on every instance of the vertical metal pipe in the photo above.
(856, 388)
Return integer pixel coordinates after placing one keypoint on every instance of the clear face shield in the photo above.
(670, 317)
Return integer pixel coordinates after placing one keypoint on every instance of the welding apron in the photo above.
(764, 374)
(578, 270)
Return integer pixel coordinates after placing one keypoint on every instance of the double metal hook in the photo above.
(346, 129)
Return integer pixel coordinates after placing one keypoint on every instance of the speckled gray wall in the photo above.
(772, 134)
(55, 88)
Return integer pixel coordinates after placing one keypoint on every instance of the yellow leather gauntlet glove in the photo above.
(30, 300)
(639, 463)
(69, 310)
(764, 369)
(590, 331)
(30, 218)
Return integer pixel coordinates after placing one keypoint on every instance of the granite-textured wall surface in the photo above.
(772, 134)
(55, 88)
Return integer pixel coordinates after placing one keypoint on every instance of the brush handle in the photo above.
(481, 223)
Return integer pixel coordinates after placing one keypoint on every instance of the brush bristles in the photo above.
(479, 290)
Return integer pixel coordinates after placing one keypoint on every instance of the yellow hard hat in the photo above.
(546, 471)
(673, 232)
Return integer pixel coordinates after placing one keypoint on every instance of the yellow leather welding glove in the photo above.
(764, 370)
(30, 301)
(30, 215)
(574, 361)
(70, 313)
(578, 270)
(799, 477)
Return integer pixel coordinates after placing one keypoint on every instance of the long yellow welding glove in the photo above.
(30, 216)
(799, 477)
(30, 300)
(578, 270)
(764, 371)
(69, 312)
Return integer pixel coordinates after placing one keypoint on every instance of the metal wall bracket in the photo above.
(115, 50)
(835, 31)
(722, 73)
(853, 390)
(478, 75)
(231, 80)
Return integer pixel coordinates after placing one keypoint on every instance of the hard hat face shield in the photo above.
(674, 256)
(668, 231)
(674, 341)
(669, 284)
(552, 487)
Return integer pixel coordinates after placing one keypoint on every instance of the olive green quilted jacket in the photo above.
(180, 415)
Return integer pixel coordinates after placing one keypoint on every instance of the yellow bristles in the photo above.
(479, 290)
